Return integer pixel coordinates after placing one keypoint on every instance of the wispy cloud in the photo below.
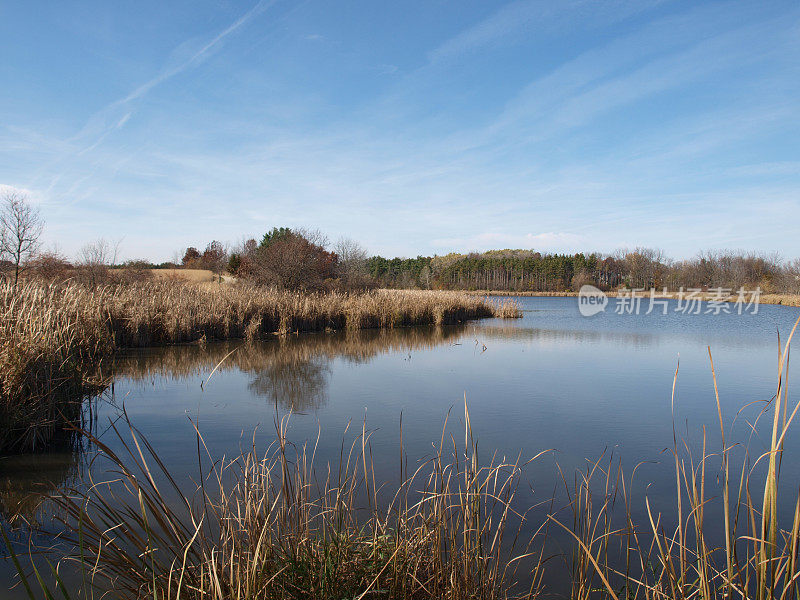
(674, 129)
(199, 56)
(547, 241)
(509, 21)
(113, 117)
(108, 119)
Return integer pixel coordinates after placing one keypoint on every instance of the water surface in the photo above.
(583, 387)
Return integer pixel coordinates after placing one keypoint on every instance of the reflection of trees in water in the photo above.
(27, 479)
(292, 370)
(532, 334)
(295, 385)
(620, 337)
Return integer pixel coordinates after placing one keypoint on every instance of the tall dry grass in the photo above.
(50, 342)
(53, 337)
(272, 525)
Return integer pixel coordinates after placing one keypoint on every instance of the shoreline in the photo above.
(56, 338)
(792, 300)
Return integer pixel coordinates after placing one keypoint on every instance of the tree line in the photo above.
(304, 259)
(644, 268)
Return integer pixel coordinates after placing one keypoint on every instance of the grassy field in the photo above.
(191, 275)
(54, 339)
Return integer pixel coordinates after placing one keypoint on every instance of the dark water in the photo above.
(551, 380)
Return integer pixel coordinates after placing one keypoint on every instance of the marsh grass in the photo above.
(55, 338)
(49, 344)
(270, 524)
(675, 553)
(784, 299)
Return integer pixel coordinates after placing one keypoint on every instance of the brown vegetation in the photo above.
(192, 275)
(785, 299)
(270, 525)
(290, 260)
(54, 336)
(51, 338)
(214, 258)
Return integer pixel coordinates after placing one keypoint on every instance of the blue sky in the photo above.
(413, 127)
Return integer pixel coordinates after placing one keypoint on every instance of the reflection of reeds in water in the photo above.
(53, 337)
(291, 371)
(532, 334)
(26, 481)
(628, 339)
(356, 346)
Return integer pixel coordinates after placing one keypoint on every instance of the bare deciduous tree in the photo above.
(352, 263)
(793, 276)
(95, 258)
(645, 267)
(20, 228)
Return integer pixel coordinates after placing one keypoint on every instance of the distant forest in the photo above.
(302, 259)
(528, 270)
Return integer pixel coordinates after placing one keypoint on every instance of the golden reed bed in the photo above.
(53, 337)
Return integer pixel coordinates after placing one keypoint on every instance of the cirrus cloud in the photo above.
(551, 241)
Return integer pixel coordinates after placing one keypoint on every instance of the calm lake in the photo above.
(581, 386)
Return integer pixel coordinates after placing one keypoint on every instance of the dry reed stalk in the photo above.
(757, 556)
(269, 524)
